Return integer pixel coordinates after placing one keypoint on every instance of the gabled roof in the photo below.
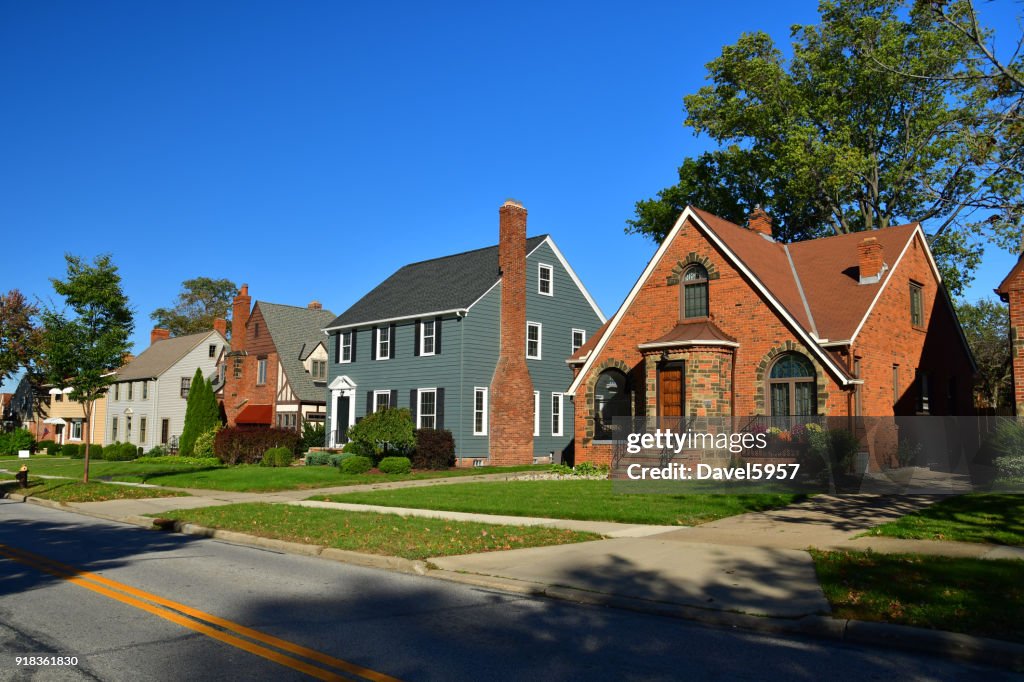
(1004, 287)
(296, 332)
(814, 285)
(161, 356)
(446, 284)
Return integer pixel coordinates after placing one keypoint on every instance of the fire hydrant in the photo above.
(22, 477)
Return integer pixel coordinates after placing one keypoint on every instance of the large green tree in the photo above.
(202, 413)
(19, 336)
(873, 121)
(986, 327)
(201, 301)
(87, 340)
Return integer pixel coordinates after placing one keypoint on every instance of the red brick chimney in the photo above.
(239, 316)
(220, 325)
(158, 335)
(759, 221)
(869, 260)
(511, 394)
(315, 305)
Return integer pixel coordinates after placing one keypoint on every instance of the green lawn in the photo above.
(75, 491)
(387, 534)
(242, 478)
(975, 596)
(992, 518)
(592, 500)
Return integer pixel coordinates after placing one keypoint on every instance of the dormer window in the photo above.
(693, 296)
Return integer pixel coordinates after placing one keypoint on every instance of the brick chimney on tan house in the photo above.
(159, 335)
(239, 316)
(220, 325)
(869, 260)
(511, 394)
(759, 221)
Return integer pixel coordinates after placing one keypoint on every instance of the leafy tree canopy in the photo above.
(201, 301)
(19, 336)
(986, 326)
(884, 114)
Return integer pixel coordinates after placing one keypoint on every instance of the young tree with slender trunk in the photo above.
(82, 350)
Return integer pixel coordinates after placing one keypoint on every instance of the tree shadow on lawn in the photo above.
(852, 513)
(991, 518)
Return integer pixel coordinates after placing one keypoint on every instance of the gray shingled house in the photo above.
(428, 338)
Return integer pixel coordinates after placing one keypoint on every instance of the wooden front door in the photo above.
(670, 391)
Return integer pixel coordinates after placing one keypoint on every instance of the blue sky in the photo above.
(310, 149)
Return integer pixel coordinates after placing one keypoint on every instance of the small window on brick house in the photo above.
(693, 296)
(916, 305)
(261, 371)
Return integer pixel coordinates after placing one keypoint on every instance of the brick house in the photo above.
(276, 371)
(1011, 291)
(726, 322)
(474, 343)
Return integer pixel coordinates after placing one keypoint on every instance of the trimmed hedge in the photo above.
(356, 464)
(277, 457)
(323, 458)
(15, 441)
(385, 432)
(120, 452)
(49, 446)
(435, 449)
(395, 465)
(246, 445)
(72, 450)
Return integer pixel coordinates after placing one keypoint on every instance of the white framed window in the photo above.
(427, 337)
(536, 413)
(142, 430)
(145, 390)
(381, 400)
(113, 429)
(346, 347)
(186, 382)
(556, 414)
(131, 387)
(533, 334)
(426, 411)
(261, 371)
(383, 343)
(76, 429)
(479, 411)
(579, 337)
(117, 391)
(545, 280)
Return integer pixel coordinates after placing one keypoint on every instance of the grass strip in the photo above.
(76, 491)
(590, 500)
(973, 596)
(386, 534)
(983, 517)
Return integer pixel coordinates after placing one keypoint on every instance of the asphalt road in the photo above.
(154, 606)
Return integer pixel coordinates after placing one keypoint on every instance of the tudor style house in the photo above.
(146, 403)
(1011, 291)
(727, 322)
(276, 371)
(474, 343)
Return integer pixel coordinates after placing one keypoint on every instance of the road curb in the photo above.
(938, 643)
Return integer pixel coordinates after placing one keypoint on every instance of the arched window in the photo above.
(693, 297)
(792, 386)
(611, 399)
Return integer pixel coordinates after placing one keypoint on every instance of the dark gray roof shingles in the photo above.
(447, 283)
(295, 332)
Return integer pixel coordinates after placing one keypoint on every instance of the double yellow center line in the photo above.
(225, 631)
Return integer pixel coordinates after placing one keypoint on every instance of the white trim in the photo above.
(481, 297)
(737, 263)
(386, 392)
(673, 344)
(341, 386)
(484, 411)
(536, 414)
(800, 290)
(551, 279)
(457, 311)
(572, 275)
(578, 361)
(540, 337)
(377, 340)
(341, 346)
(825, 343)
(433, 336)
(419, 406)
(885, 284)
(342, 383)
(561, 414)
(572, 340)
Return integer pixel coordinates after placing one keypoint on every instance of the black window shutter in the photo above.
(413, 403)
(391, 342)
(416, 347)
(337, 348)
(394, 399)
(437, 335)
(369, 403)
(373, 344)
(352, 351)
(439, 410)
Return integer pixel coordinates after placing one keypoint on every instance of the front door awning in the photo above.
(262, 415)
